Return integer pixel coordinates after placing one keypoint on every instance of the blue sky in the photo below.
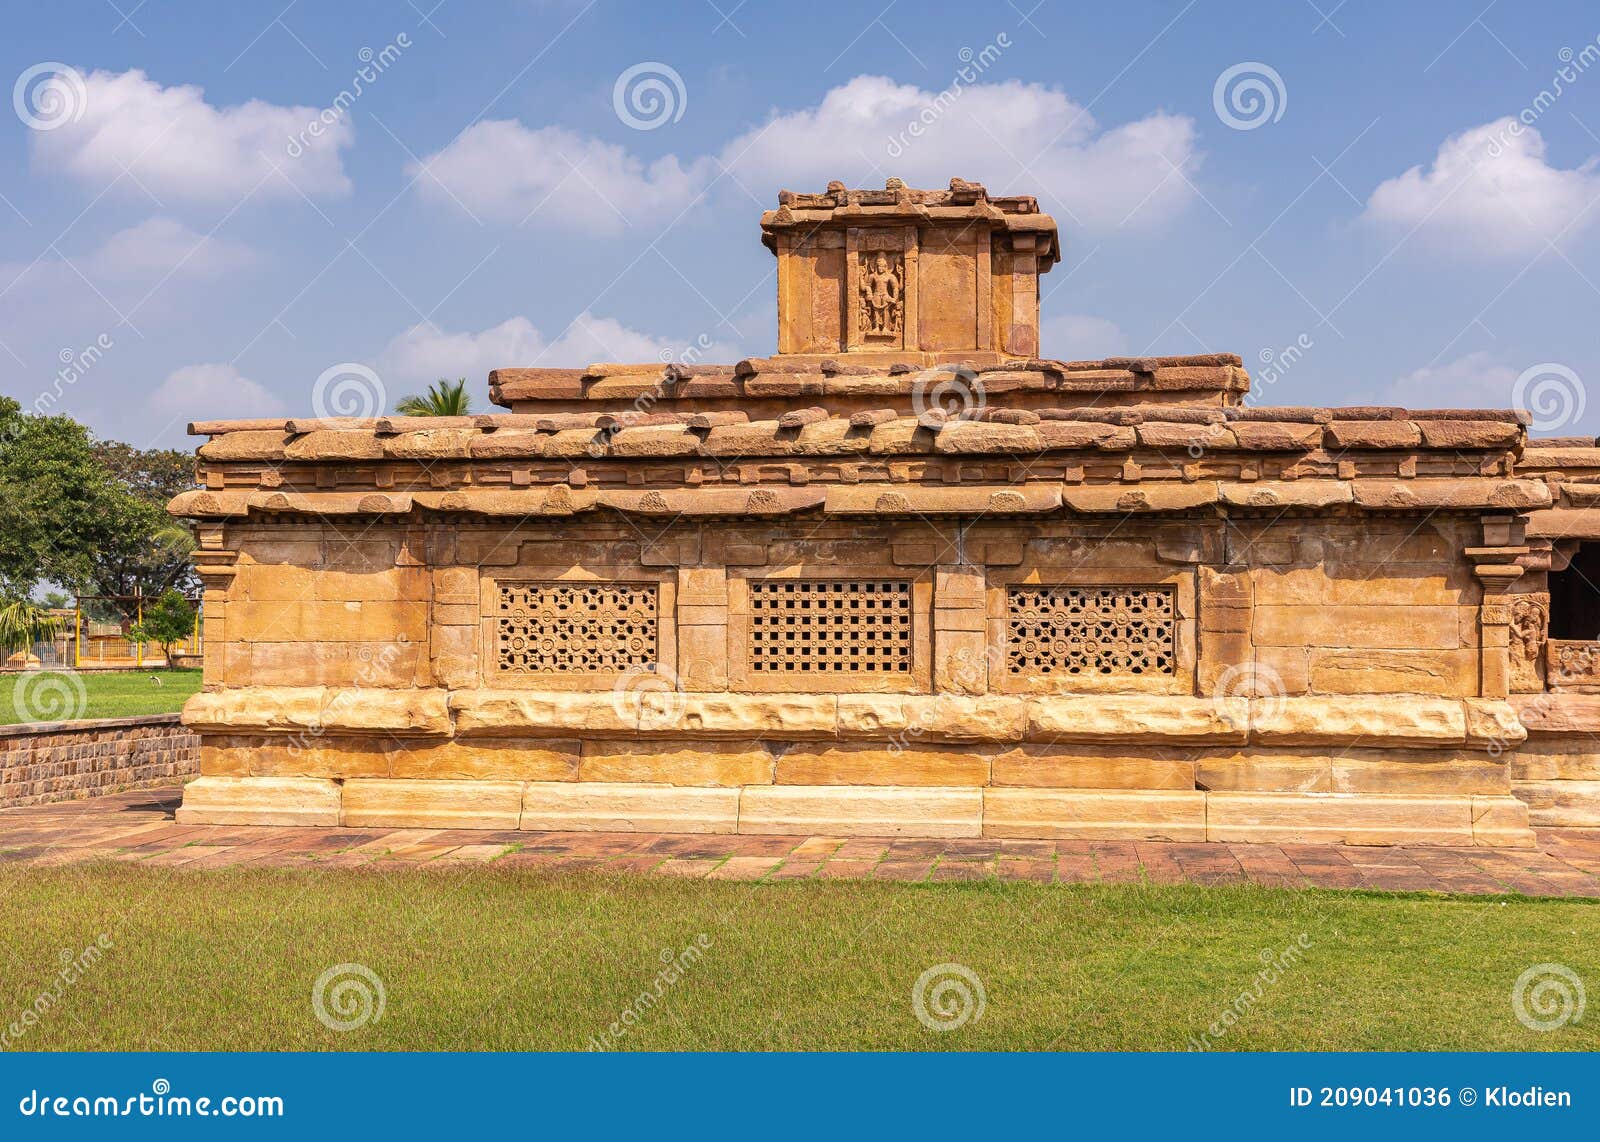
(1399, 199)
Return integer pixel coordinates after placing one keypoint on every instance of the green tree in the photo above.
(53, 493)
(167, 621)
(443, 398)
(137, 547)
(89, 515)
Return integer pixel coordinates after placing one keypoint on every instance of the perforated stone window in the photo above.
(830, 626)
(1056, 631)
(575, 628)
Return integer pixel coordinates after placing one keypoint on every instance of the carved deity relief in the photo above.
(1530, 616)
(882, 294)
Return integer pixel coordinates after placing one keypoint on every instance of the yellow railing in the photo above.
(103, 643)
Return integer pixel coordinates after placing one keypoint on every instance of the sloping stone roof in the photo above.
(813, 432)
(789, 378)
(1129, 460)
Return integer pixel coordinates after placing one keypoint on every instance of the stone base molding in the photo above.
(1367, 720)
(876, 811)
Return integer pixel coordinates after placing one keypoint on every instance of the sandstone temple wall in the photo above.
(358, 660)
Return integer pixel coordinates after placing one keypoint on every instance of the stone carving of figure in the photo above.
(880, 298)
(1528, 625)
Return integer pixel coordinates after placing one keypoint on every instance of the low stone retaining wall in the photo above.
(59, 761)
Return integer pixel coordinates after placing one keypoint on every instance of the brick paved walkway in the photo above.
(138, 827)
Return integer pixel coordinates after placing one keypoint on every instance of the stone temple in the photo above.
(907, 576)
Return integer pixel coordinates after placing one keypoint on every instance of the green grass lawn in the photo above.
(505, 958)
(48, 695)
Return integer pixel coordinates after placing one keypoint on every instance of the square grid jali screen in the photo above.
(830, 626)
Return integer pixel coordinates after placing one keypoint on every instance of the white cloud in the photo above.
(1081, 337)
(159, 247)
(423, 354)
(208, 392)
(1490, 191)
(177, 145)
(503, 171)
(134, 268)
(1016, 138)
(1476, 380)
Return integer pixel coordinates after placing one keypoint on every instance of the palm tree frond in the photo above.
(24, 622)
(443, 398)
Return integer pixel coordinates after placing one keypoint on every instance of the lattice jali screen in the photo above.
(575, 628)
(1066, 631)
(830, 626)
